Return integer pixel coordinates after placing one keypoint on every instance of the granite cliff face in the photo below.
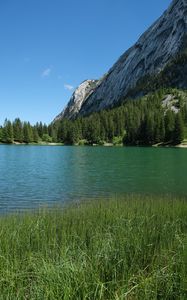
(78, 98)
(152, 53)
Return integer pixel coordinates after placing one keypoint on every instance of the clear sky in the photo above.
(48, 47)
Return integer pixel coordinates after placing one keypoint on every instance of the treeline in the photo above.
(24, 132)
(136, 122)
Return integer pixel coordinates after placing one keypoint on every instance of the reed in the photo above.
(129, 248)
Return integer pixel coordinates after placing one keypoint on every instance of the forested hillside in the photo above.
(160, 117)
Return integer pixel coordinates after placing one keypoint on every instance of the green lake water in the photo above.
(40, 175)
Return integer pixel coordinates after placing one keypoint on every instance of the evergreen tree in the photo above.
(35, 135)
(18, 130)
(53, 135)
(39, 127)
(45, 129)
(7, 134)
(178, 134)
(62, 132)
(27, 133)
(110, 129)
(72, 134)
(159, 127)
(1, 133)
(169, 125)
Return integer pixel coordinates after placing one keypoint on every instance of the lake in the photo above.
(31, 176)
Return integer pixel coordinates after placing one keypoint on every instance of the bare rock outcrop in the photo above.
(154, 50)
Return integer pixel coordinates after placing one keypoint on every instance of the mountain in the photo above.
(159, 58)
(78, 98)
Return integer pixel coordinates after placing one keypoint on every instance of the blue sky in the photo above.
(48, 47)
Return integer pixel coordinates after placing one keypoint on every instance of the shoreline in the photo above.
(32, 144)
(182, 145)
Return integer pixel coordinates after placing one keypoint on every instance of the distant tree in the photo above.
(27, 133)
(149, 129)
(7, 134)
(62, 131)
(110, 129)
(39, 127)
(159, 127)
(93, 132)
(1, 133)
(45, 129)
(46, 138)
(35, 135)
(169, 125)
(119, 123)
(53, 133)
(178, 134)
(72, 134)
(18, 130)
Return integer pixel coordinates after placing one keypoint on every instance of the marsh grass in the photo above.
(131, 248)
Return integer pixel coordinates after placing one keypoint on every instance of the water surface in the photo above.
(37, 175)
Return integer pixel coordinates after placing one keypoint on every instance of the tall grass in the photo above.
(130, 248)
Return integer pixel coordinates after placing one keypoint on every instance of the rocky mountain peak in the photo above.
(77, 99)
(154, 50)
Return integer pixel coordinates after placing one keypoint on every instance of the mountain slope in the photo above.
(77, 99)
(144, 64)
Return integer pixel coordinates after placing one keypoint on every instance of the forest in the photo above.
(145, 121)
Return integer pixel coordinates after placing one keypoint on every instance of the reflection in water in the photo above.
(34, 175)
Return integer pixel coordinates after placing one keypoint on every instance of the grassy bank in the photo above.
(131, 248)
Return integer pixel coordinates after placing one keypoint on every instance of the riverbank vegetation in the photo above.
(131, 248)
(159, 118)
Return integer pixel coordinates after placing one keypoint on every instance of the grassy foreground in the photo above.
(131, 248)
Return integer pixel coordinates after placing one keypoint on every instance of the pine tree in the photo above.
(27, 133)
(18, 130)
(169, 125)
(45, 129)
(1, 133)
(53, 134)
(35, 135)
(39, 127)
(178, 134)
(7, 134)
(72, 134)
(149, 129)
(62, 131)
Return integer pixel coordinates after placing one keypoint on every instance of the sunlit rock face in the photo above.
(159, 45)
(77, 99)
